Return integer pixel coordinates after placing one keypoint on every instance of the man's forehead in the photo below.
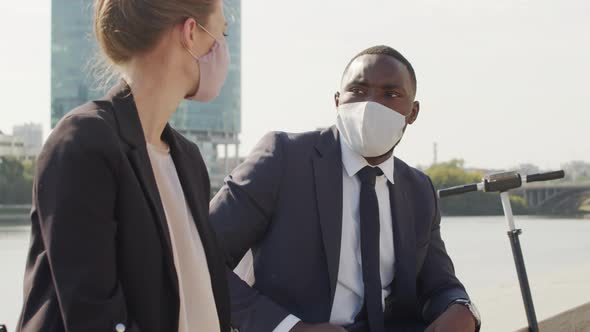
(377, 68)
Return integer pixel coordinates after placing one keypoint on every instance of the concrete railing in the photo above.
(574, 320)
(15, 206)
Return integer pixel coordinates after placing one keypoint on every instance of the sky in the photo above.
(501, 83)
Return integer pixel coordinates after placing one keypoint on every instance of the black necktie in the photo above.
(369, 212)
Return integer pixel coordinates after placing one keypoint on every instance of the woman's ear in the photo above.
(189, 30)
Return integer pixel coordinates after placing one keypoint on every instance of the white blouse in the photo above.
(197, 303)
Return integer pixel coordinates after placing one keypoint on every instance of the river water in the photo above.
(557, 254)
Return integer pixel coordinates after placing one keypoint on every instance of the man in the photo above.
(341, 231)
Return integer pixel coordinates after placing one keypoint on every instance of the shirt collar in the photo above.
(353, 162)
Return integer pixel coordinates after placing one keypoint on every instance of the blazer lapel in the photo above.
(141, 164)
(327, 167)
(404, 284)
(131, 131)
(190, 173)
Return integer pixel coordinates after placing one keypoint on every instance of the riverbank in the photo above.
(556, 252)
(14, 215)
(576, 319)
(20, 215)
(557, 257)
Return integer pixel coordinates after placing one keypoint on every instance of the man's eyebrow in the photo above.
(358, 82)
(392, 86)
(364, 83)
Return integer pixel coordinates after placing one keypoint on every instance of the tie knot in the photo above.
(368, 174)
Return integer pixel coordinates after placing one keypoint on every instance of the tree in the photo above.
(577, 171)
(16, 181)
(526, 169)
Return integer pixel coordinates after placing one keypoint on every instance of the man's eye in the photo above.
(356, 90)
(392, 94)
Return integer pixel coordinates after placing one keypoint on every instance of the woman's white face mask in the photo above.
(369, 128)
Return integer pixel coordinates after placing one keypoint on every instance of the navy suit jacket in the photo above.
(285, 203)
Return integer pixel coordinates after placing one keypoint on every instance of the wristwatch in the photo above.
(472, 308)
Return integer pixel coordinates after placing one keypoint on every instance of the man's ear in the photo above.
(337, 99)
(415, 111)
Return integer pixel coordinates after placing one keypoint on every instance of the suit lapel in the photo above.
(125, 111)
(328, 181)
(190, 173)
(404, 284)
(141, 164)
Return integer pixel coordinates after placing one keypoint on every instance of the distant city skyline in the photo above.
(501, 83)
(24, 142)
(214, 126)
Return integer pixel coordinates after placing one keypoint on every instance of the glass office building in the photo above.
(72, 52)
(213, 126)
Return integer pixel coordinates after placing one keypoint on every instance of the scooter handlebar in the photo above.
(487, 184)
(545, 176)
(458, 190)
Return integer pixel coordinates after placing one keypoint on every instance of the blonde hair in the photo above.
(125, 28)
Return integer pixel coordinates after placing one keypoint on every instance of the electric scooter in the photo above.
(502, 183)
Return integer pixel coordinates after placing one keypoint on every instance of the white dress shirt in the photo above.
(349, 296)
(197, 303)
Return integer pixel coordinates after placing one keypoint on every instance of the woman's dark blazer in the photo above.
(100, 257)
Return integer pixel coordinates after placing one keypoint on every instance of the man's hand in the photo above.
(302, 327)
(457, 318)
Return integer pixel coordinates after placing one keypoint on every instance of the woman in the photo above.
(120, 240)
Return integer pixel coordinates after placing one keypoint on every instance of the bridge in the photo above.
(557, 198)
